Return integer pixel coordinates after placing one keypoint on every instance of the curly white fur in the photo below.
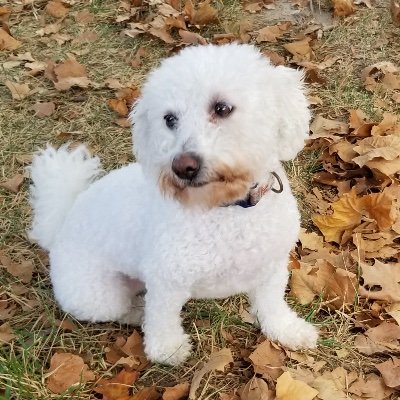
(141, 226)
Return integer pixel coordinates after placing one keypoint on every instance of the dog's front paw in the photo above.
(173, 351)
(298, 334)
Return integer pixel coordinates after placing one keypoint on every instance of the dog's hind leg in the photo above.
(276, 319)
(91, 293)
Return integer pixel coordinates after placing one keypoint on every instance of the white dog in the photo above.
(199, 216)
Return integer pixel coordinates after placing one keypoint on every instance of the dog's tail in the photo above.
(58, 176)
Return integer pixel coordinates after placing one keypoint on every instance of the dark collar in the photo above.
(257, 191)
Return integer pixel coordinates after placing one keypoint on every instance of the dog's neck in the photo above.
(260, 189)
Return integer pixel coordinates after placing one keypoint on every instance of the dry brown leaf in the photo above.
(66, 370)
(177, 392)
(49, 29)
(350, 210)
(66, 324)
(390, 371)
(148, 393)
(6, 334)
(36, 67)
(137, 59)
(300, 50)
(56, 9)
(218, 361)
(383, 338)
(395, 11)
(13, 184)
(19, 91)
(44, 109)
(23, 271)
(382, 74)
(123, 122)
(336, 285)
(310, 240)
(326, 128)
(84, 17)
(118, 386)
(267, 360)
(134, 350)
(86, 37)
(343, 8)
(381, 281)
(191, 37)
(256, 389)
(204, 15)
(333, 385)
(162, 34)
(386, 147)
(372, 388)
(119, 106)
(7, 42)
(394, 311)
(271, 33)
(288, 388)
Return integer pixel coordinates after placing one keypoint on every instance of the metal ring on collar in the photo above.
(280, 189)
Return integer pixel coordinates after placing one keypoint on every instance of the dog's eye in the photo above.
(222, 109)
(171, 120)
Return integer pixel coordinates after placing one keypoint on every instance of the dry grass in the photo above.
(86, 116)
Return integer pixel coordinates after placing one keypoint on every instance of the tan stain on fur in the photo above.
(228, 186)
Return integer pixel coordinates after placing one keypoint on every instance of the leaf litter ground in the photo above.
(71, 70)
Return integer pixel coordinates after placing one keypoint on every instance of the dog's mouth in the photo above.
(223, 186)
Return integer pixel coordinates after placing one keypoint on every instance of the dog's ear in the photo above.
(293, 110)
(139, 121)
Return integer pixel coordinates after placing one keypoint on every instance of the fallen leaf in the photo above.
(149, 393)
(381, 281)
(300, 50)
(191, 37)
(66, 324)
(383, 338)
(386, 147)
(382, 74)
(256, 389)
(7, 42)
(372, 387)
(19, 91)
(23, 270)
(218, 361)
(13, 184)
(394, 311)
(349, 211)
(119, 106)
(66, 370)
(267, 360)
(395, 11)
(271, 33)
(86, 37)
(44, 109)
(6, 334)
(177, 392)
(343, 8)
(162, 34)
(204, 15)
(123, 122)
(36, 67)
(137, 59)
(335, 285)
(49, 29)
(390, 371)
(118, 386)
(288, 388)
(56, 9)
(84, 17)
(326, 128)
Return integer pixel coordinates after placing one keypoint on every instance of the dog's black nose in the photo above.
(186, 165)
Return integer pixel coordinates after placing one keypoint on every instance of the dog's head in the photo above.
(213, 120)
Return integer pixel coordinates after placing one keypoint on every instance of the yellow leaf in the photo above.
(288, 388)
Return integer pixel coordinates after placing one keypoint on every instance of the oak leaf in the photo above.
(66, 370)
(7, 42)
(13, 184)
(217, 361)
(381, 281)
(267, 360)
(390, 371)
(56, 9)
(288, 388)
(118, 386)
(343, 8)
(177, 392)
